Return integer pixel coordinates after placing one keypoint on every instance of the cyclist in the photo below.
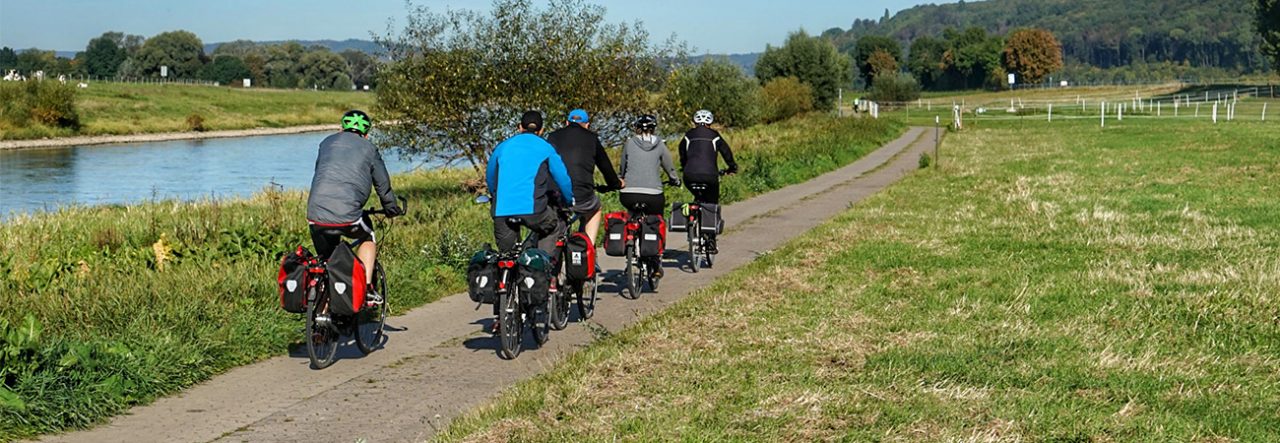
(642, 155)
(698, 152)
(520, 174)
(347, 167)
(583, 154)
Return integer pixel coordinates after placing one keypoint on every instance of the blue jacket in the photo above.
(519, 175)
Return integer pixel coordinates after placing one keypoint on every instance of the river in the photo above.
(44, 179)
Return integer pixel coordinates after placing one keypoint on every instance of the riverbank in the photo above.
(85, 140)
(185, 112)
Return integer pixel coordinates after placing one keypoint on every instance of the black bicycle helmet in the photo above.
(646, 123)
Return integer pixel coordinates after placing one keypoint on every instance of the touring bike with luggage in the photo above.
(332, 294)
(700, 221)
(642, 240)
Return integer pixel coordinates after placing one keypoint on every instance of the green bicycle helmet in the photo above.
(356, 121)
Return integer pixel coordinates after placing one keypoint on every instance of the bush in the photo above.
(785, 97)
(195, 123)
(47, 103)
(715, 85)
(894, 88)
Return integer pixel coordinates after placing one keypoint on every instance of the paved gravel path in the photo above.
(438, 364)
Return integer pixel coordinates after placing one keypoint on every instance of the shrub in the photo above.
(195, 123)
(785, 97)
(894, 88)
(47, 103)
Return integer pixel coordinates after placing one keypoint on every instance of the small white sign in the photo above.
(164, 71)
(1011, 79)
(248, 82)
(1063, 83)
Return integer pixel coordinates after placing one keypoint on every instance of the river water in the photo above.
(43, 179)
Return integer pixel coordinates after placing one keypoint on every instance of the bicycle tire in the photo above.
(631, 288)
(587, 298)
(694, 238)
(371, 322)
(322, 340)
(510, 325)
(540, 325)
(558, 304)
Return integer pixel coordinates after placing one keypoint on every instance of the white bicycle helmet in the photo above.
(702, 117)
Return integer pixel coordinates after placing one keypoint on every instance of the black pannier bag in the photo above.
(679, 221)
(482, 276)
(346, 281)
(535, 276)
(652, 236)
(615, 234)
(579, 257)
(293, 280)
(711, 221)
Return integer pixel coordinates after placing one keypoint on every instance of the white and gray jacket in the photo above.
(347, 167)
(641, 156)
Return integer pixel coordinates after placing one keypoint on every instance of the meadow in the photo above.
(110, 108)
(112, 306)
(1048, 282)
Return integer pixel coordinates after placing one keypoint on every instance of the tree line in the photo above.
(1137, 38)
(122, 56)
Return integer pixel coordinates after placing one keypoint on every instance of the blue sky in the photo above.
(717, 26)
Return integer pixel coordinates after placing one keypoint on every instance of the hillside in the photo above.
(1102, 33)
(365, 46)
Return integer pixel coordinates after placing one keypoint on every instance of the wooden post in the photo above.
(1264, 112)
(1103, 107)
(1051, 112)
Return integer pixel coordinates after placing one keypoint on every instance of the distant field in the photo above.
(1051, 282)
(126, 108)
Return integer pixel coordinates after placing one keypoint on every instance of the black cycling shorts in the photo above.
(327, 237)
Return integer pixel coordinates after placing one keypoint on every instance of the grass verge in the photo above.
(1050, 283)
(111, 306)
(108, 108)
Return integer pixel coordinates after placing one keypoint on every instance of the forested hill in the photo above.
(1102, 33)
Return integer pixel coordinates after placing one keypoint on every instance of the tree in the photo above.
(237, 48)
(31, 60)
(181, 51)
(925, 61)
(282, 67)
(322, 69)
(362, 68)
(458, 81)
(1267, 21)
(972, 58)
(867, 46)
(1032, 54)
(784, 97)
(882, 63)
(103, 55)
(225, 69)
(8, 59)
(716, 85)
(812, 60)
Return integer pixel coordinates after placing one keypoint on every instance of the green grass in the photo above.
(108, 108)
(1052, 282)
(127, 303)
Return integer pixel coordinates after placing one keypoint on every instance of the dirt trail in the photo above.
(438, 364)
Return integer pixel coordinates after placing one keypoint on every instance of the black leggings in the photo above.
(653, 204)
(704, 189)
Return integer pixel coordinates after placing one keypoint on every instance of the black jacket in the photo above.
(698, 151)
(582, 154)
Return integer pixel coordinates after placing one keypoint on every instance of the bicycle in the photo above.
(566, 289)
(640, 269)
(698, 240)
(514, 311)
(324, 330)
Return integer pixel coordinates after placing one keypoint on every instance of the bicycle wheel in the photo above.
(558, 304)
(372, 319)
(587, 298)
(694, 238)
(631, 289)
(509, 324)
(322, 337)
(539, 324)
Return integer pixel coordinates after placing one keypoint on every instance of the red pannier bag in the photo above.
(346, 281)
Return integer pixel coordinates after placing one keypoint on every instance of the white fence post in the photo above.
(1103, 107)
(1051, 112)
(1215, 112)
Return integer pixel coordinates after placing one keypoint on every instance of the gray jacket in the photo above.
(347, 167)
(641, 156)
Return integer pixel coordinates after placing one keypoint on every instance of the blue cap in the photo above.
(579, 116)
